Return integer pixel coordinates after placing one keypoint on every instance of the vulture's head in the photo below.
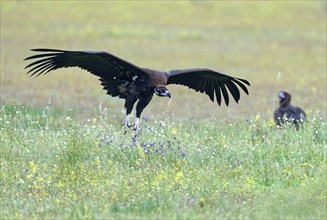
(284, 98)
(162, 91)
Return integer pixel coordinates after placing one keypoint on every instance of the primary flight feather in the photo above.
(132, 83)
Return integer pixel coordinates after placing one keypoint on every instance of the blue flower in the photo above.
(134, 140)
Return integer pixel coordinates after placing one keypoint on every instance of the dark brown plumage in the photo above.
(287, 113)
(132, 83)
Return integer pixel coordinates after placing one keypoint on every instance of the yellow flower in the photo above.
(19, 214)
(140, 150)
(257, 117)
(178, 176)
(178, 167)
(201, 202)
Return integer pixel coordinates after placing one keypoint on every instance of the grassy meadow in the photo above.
(64, 155)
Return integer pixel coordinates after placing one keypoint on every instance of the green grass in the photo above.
(176, 168)
(64, 155)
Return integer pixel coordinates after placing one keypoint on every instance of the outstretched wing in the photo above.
(209, 82)
(102, 64)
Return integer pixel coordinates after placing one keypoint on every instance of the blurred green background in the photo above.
(276, 45)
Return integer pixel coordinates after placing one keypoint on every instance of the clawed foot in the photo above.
(126, 123)
(135, 125)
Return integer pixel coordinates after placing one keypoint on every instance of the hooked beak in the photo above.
(162, 92)
(167, 94)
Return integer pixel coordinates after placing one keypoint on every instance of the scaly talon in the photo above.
(126, 123)
(134, 125)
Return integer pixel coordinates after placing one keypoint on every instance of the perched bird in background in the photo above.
(127, 81)
(287, 112)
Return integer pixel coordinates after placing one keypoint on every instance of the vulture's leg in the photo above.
(142, 103)
(129, 103)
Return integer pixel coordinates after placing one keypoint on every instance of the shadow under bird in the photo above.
(125, 80)
(287, 113)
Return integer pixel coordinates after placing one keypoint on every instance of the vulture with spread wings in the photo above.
(132, 83)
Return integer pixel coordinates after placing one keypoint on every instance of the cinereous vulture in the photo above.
(125, 80)
(287, 112)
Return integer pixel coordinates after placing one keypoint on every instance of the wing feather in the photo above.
(218, 95)
(233, 90)
(235, 80)
(209, 90)
(225, 94)
(209, 82)
(105, 65)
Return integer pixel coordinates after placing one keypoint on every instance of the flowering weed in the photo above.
(90, 169)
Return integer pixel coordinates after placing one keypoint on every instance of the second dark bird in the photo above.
(287, 113)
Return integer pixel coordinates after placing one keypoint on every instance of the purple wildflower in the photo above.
(248, 120)
(134, 140)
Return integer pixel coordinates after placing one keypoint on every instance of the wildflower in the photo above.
(257, 117)
(183, 154)
(201, 202)
(19, 214)
(178, 176)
